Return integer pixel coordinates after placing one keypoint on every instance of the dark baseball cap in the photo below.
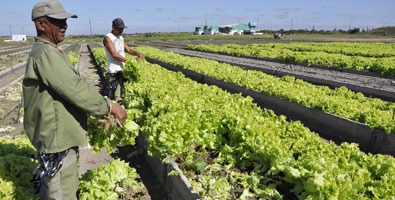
(118, 22)
(50, 8)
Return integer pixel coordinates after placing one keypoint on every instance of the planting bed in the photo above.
(9, 61)
(10, 110)
(10, 50)
(185, 43)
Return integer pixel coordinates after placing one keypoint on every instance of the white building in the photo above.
(17, 38)
(233, 29)
(206, 30)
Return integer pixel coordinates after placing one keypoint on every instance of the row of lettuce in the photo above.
(375, 57)
(229, 148)
(73, 57)
(109, 181)
(340, 101)
(376, 50)
(6, 62)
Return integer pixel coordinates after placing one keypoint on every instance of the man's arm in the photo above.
(67, 83)
(110, 46)
(133, 52)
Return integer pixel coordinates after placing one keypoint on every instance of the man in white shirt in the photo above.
(116, 47)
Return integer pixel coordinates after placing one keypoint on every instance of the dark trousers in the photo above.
(115, 86)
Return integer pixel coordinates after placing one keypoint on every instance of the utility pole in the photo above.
(90, 26)
(292, 23)
(257, 22)
(349, 26)
(10, 31)
(271, 25)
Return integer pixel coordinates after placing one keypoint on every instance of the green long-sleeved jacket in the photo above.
(57, 100)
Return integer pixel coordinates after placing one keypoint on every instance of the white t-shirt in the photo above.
(114, 65)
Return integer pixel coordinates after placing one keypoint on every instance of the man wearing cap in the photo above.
(115, 49)
(57, 100)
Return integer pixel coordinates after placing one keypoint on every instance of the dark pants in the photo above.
(115, 86)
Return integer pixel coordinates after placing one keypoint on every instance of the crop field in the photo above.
(211, 140)
(240, 118)
(340, 101)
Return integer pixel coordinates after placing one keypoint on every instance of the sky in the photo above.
(183, 16)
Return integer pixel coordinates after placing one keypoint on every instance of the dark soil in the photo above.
(136, 158)
(10, 115)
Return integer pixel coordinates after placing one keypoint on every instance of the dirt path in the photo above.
(88, 160)
(130, 154)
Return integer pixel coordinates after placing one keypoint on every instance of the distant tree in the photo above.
(354, 31)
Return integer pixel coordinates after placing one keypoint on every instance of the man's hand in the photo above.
(118, 112)
(133, 52)
(140, 56)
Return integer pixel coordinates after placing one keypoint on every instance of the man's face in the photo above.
(55, 29)
(117, 31)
